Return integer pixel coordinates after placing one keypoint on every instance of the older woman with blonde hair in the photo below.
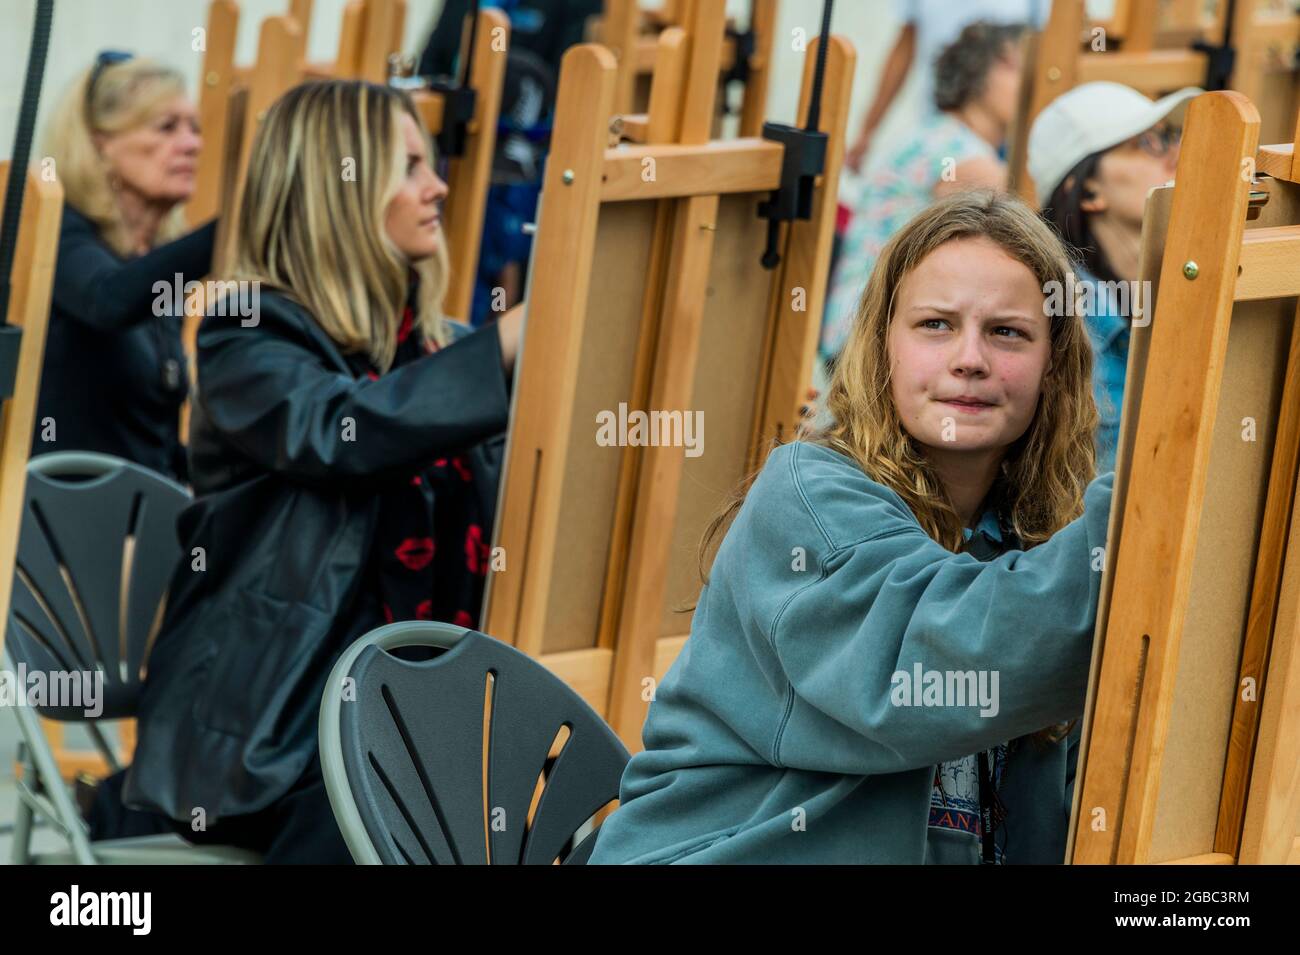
(125, 143)
(346, 449)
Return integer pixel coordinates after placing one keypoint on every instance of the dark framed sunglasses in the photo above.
(103, 61)
(1159, 141)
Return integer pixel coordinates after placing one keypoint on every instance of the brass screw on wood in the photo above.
(1054, 73)
(1191, 269)
(568, 177)
(213, 78)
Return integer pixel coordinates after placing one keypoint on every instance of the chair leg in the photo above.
(45, 775)
(21, 853)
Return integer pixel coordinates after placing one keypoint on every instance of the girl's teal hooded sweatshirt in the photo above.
(780, 734)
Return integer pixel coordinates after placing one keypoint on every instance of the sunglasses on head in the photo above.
(105, 59)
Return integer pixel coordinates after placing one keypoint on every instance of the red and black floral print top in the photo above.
(430, 554)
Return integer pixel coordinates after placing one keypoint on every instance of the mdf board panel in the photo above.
(586, 517)
(1195, 755)
(726, 391)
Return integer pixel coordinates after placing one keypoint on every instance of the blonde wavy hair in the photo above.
(327, 160)
(1044, 473)
(127, 96)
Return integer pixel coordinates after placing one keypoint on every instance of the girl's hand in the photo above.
(809, 412)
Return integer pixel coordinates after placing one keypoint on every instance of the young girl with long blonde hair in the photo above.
(890, 652)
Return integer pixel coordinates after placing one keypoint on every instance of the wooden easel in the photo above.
(647, 290)
(29, 310)
(1157, 61)
(1191, 745)
(633, 36)
(372, 32)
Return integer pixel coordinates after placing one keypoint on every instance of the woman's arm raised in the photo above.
(274, 397)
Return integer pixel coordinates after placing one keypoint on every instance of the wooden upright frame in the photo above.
(633, 36)
(1192, 728)
(647, 291)
(29, 309)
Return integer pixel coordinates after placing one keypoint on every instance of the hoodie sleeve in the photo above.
(877, 601)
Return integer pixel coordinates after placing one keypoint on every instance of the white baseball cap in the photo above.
(1086, 120)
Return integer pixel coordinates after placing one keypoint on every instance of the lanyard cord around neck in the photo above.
(986, 808)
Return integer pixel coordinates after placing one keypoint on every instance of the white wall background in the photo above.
(162, 29)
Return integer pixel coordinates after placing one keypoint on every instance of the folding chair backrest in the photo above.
(96, 550)
(403, 747)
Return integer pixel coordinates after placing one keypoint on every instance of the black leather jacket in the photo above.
(114, 371)
(289, 455)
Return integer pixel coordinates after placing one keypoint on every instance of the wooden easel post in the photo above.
(528, 520)
(281, 50)
(1260, 803)
(1197, 570)
(381, 36)
(638, 57)
(754, 106)
(1266, 40)
(620, 33)
(219, 77)
(29, 309)
(1268, 833)
(1049, 70)
(470, 175)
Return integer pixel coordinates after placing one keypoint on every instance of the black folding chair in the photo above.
(437, 761)
(96, 551)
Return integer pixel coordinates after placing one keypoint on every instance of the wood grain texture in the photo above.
(1171, 453)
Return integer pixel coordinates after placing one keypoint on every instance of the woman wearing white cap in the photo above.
(1095, 152)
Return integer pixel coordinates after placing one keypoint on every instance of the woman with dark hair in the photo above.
(977, 82)
(1095, 153)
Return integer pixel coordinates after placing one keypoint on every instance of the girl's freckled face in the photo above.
(968, 324)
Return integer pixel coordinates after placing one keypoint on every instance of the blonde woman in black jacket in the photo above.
(345, 453)
(125, 143)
